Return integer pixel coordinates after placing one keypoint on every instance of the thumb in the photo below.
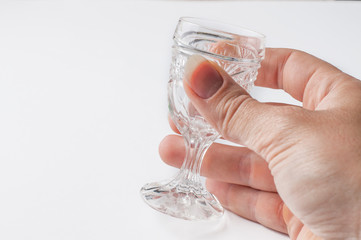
(230, 109)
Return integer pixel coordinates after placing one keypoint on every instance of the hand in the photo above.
(300, 172)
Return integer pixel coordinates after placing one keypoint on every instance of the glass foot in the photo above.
(182, 199)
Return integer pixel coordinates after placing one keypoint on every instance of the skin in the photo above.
(300, 170)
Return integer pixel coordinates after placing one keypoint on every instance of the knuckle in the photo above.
(231, 109)
(245, 168)
(279, 214)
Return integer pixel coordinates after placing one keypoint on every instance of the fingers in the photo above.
(294, 225)
(265, 208)
(224, 163)
(233, 113)
(295, 228)
(303, 76)
(172, 125)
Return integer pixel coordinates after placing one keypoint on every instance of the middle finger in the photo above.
(231, 164)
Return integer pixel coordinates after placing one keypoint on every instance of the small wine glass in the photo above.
(239, 51)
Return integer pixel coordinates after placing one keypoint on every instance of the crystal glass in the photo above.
(239, 51)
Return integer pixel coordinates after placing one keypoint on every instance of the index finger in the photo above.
(305, 77)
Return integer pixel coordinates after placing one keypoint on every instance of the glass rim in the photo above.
(223, 28)
(199, 21)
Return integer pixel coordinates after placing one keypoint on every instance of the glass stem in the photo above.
(195, 151)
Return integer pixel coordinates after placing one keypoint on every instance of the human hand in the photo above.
(300, 170)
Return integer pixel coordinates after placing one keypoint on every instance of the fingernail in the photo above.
(202, 77)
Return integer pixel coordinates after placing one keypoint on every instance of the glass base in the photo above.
(184, 199)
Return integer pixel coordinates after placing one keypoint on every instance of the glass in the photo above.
(239, 51)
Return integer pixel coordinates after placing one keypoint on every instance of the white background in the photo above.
(83, 108)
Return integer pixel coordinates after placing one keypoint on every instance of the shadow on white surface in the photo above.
(227, 226)
(194, 229)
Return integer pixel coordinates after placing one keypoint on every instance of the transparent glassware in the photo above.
(239, 51)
